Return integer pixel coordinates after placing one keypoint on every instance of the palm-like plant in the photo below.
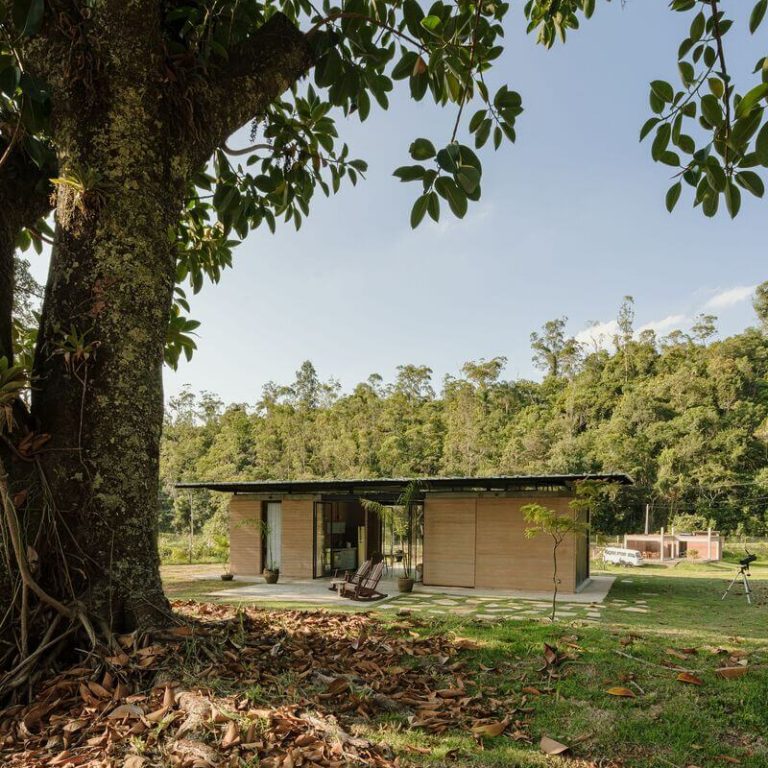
(398, 515)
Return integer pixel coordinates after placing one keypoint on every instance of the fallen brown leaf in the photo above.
(691, 679)
(620, 691)
(491, 729)
(129, 711)
(551, 747)
(729, 673)
(231, 735)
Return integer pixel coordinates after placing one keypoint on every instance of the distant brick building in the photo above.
(700, 545)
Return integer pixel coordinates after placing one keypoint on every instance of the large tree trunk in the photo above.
(100, 350)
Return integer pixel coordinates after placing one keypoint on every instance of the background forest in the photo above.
(686, 415)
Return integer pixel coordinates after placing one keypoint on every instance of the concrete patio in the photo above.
(316, 591)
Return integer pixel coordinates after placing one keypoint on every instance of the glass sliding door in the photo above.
(273, 534)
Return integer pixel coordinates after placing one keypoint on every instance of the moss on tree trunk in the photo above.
(100, 350)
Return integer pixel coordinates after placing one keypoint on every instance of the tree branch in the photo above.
(258, 70)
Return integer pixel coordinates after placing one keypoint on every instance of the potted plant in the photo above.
(271, 574)
(407, 499)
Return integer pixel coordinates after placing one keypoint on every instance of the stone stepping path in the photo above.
(499, 608)
(505, 609)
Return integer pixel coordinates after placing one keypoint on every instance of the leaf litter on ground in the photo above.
(193, 696)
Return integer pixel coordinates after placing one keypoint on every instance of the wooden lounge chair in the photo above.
(365, 589)
(351, 578)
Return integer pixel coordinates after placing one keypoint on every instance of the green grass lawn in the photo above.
(666, 723)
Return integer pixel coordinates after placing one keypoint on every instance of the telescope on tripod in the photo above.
(743, 575)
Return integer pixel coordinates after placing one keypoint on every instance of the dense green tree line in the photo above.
(686, 415)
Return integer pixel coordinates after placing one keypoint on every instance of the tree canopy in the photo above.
(710, 130)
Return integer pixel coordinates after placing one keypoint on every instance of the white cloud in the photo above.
(601, 335)
(598, 335)
(730, 296)
(670, 322)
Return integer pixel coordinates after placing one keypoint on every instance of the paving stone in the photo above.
(632, 609)
(446, 602)
(594, 615)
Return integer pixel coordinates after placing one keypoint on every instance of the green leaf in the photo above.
(745, 128)
(404, 67)
(419, 84)
(663, 90)
(476, 120)
(686, 143)
(715, 175)
(717, 86)
(756, 17)
(433, 206)
(732, 199)
(697, 26)
(751, 182)
(761, 145)
(422, 149)
(687, 74)
(673, 195)
(648, 126)
(418, 210)
(457, 200)
(661, 141)
(750, 99)
(468, 178)
(28, 16)
(430, 23)
(711, 111)
(670, 158)
(410, 172)
(710, 204)
(448, 158)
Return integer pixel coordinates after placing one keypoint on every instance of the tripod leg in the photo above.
(747, 589)
(725, 594)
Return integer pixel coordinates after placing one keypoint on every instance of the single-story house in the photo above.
(699, 545)
(459, 531)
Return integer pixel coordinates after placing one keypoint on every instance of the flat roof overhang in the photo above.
(393, 486)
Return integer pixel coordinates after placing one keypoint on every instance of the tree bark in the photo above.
(100, 348)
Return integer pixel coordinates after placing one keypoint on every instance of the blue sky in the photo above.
(572, 219)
